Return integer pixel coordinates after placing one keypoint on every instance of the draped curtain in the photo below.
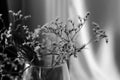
(56, 9)
(100, 61)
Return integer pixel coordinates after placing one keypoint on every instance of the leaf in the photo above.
(31, 56)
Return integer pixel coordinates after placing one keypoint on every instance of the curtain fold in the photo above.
(56, 9)
(101, 59)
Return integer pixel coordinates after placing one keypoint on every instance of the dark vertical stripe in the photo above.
(4, 11)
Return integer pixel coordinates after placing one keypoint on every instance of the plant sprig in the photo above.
(55, 38)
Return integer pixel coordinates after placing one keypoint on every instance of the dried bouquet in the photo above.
(47, 46)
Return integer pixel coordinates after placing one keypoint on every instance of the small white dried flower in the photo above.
(20, 15)
(0, 15)
(10, 11)
(26, 17)
(14, 14)
(24, 26)
(10, 24)
(19, 12)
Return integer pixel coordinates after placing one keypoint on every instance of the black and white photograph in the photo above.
(59, 39)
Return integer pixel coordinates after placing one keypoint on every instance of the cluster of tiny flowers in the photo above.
(56, 38)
